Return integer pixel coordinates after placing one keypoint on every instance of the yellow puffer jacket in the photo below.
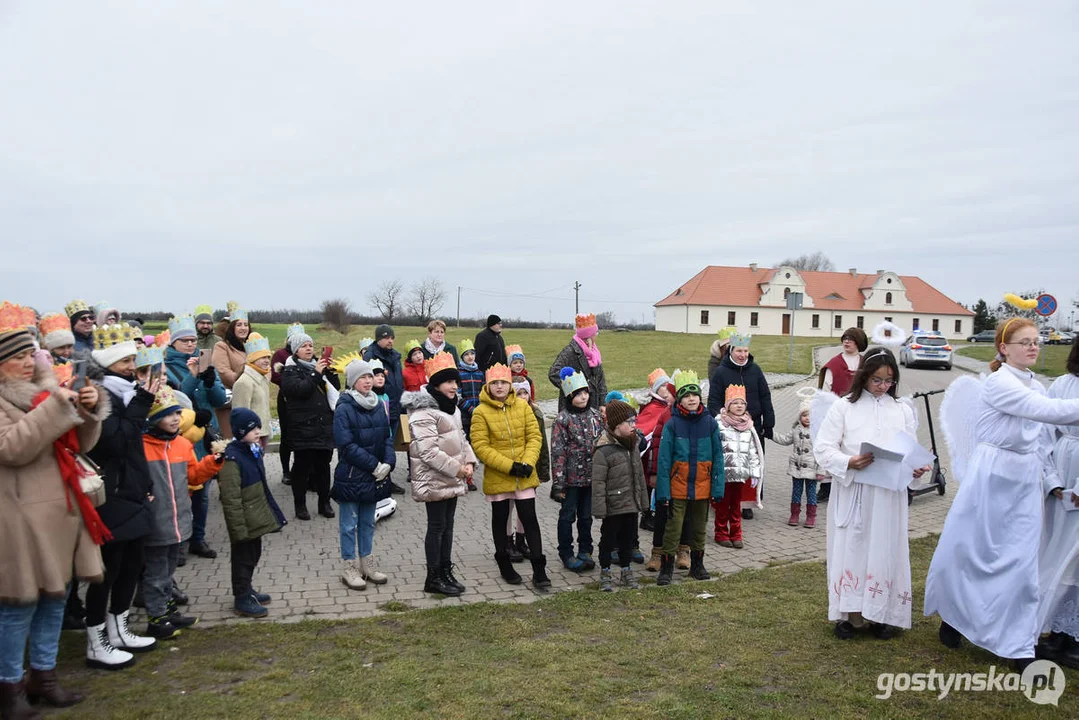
(504, 433)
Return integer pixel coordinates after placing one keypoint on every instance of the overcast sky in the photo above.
(164, 154)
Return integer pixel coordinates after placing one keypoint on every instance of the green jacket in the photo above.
(249, 507)
(618, 485)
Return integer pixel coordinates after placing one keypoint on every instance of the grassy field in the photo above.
(628, 357)
(1053, 360)
(760, 648)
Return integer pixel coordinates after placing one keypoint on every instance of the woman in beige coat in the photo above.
(43, 535)
(229, 359)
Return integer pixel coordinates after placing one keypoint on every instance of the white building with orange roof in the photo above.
(754, 299)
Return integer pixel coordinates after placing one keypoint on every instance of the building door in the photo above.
(786, 323)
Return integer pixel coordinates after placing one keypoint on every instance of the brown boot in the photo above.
(681, 557)
(654, 561)
(43, 685)
(13, 704)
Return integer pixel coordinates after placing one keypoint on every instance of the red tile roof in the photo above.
(740, 287)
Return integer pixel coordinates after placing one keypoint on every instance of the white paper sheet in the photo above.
(894, 462)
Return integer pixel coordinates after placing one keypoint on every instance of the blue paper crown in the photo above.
(181, 322)
(149, 356)
(741, 339)
(254, 345)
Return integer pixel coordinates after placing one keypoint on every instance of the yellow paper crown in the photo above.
(339, 364)
(54, 322)
(204, 310)
(498, 371)
(439, 362)
(412, 345)
(164, 400)
(464, 346)
(106, 336)
(685, 380)
(77, 306)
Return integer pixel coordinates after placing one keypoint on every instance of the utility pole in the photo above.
(458, 306)
(576, 298)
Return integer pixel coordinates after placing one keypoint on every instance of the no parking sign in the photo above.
(1047, 305)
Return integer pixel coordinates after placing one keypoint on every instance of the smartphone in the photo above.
(204, 360)
(156, 372)
(327, 353)
(80, 376)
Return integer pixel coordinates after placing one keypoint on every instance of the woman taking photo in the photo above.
(47, 524)
(229, 359)
(442, 463)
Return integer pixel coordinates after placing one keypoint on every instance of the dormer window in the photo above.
(888, 298)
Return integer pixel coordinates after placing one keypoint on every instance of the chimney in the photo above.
(880, 272)
(854, 272)
(753, 267)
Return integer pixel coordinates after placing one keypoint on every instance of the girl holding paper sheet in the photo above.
(984, 578)
(868, 557)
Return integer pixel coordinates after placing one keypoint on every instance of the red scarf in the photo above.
(67, 446)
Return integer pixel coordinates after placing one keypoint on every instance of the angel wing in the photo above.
(822, 402)
(958, 416)
(909, 402)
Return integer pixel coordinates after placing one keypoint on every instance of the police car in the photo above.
(927, 349)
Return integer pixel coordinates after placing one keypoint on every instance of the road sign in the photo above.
(794, 302)
(1047, 305)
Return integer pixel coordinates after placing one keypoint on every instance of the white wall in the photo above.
(682, 318)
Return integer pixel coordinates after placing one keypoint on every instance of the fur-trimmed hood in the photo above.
(418, 400)
(21, 393)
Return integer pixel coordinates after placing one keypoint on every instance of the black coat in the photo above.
(310, 419)
(490, 349)
(395, 380)
(363, 440)
(120, 455)
(758, 394)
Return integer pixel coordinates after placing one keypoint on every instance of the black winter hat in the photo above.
(493, 320)
(384, 331)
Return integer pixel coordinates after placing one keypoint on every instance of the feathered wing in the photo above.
(822, 402)
(958, 417)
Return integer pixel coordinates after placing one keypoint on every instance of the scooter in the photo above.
(937, 479)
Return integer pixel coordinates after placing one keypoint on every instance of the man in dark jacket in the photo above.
(490, 346)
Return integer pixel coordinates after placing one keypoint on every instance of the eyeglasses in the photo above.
(1026, 344)
(882, 382)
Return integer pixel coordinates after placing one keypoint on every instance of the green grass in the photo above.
(1053, 361)
(760, 648)
(628, 357)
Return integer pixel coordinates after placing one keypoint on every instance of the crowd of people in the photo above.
(111, 442)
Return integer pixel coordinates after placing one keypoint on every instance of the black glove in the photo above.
(558, 494)
(767, 433)
(518, 470)
(208, 377)
(526, 470)
(203, 417)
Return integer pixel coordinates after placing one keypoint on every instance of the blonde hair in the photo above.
(436, 323)
(1005, 333)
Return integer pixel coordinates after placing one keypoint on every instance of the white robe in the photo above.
(983, 580)
(1058, 565)
(868, 554)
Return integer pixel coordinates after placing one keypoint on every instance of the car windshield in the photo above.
(934, 341)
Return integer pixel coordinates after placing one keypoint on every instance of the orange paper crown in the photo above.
(439, 362)
(16, 317)
(498, 371)
(586, 320)
(735, 392)
(656, 375)
(161, 340)
(64, 373)
(53, 322)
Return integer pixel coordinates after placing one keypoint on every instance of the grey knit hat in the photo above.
(297, 340)
(356, 370)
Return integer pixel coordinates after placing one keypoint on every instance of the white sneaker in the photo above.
(370, 572)
(100, 652)
(121, 637)
(351, 576)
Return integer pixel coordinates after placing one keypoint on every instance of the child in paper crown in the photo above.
(379, 386)
(517, 368)
(414, 375)
(802, 466)
(689, 474)
(573, 439)
(468, 394)
(173, 470)
(249, 508)
(519, 550)
(743, 465)
(252, 388)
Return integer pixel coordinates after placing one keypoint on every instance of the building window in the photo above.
(704, 317)
(887, 319)
(730, 317)
(887, 298)
(959, 327)
(816, 321)
(861, 322)
(936, 324)
(914, 324)
(753, 319)
(838, 322)
(786, 293)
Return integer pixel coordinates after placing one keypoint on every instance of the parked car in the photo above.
(984, 336)
(926, 349)
(1067, 338)
(1060, 338)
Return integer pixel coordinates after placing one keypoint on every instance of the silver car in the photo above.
(925, 349)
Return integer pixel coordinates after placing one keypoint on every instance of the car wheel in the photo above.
(947, 367)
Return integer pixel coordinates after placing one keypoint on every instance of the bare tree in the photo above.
(814, 261)
(606, 319)
(428, 296)
(387, 298)
(335, 314)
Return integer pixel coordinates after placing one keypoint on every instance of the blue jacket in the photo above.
(206, 398)
(468, 394)
(363, 440)
(395, 380)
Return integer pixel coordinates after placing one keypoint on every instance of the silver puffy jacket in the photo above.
(741, 462)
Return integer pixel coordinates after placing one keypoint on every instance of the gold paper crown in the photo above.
(77, 306)
(165, 399)
(498, 371)
(339, 364)
(13, 317)
(439, 362)
(106, 336)
(586, 320)
(54, 322)
(232, 306)
(734, 392)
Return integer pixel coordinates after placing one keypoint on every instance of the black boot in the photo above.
(666, 570)
(540, 580)
(506, 568)
(648, 521)
(447, 573)
(1061, 648)
(949, 636)
(301, 511)
(511, 550)
(696, 566)
(521, 543)
(326, 510)
(437, 583)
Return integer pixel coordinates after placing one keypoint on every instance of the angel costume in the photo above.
(868, 555)
(1059, 563)
(983, 580)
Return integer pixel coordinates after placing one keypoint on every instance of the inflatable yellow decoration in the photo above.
(1021, 303)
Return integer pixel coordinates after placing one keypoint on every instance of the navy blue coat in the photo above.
(758, 394)
(363, 440)
(395, 380)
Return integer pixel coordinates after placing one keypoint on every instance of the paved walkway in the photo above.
(300, 565)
